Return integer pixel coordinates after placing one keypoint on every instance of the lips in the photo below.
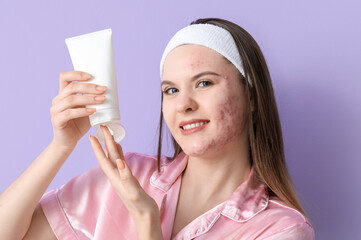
(195, 128)
(183, 123)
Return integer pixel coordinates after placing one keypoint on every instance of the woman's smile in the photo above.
(192, 126)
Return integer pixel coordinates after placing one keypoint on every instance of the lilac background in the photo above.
(312, 48)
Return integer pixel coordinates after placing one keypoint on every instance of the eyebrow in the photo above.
(195, 77)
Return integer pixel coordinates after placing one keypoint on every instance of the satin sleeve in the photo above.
(72, 209)
(82, 206)
(87, 207)
(299, 232)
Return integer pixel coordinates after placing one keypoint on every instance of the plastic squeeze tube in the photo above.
(93, 53)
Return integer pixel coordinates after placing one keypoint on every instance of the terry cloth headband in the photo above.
(208, 35)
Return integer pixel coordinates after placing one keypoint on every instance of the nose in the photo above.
(186, 103)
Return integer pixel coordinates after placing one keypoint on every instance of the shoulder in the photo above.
(277, 209)
(283, 222)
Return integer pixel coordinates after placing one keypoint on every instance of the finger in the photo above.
(120, 164)
(132, 189)
(110, 144)
(103, 161)
(67, 77)
(79, 88)
(120, 151)
(125, 173)
(106, 152)
(61, 119)
(123, 168)
(74, 101)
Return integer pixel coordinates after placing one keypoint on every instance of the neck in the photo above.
(215, 177)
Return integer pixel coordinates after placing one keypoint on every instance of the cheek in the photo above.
(169, 116)
(229, 120)
(166, 114)
(229, 112)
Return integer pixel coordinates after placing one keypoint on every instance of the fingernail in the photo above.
(100, 88)
(90, 110)
(99, 98)
(121, 164)
(90, 136)
(86, 75)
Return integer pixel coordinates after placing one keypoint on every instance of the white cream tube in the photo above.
(93, 53)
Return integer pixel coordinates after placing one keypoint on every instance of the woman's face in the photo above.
(204, 104)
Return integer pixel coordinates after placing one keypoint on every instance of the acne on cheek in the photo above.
(229, 126)
(230, 121)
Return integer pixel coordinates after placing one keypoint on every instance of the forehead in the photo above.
(189, 59)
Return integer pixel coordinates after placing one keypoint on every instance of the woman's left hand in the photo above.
(143, 209)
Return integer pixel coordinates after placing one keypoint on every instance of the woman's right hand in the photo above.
(69, 116)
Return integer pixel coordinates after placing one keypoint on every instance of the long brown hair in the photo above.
(265, 133)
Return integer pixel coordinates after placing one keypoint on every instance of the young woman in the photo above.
(227, 179)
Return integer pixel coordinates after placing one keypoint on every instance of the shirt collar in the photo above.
(247, 200)
(169, 172)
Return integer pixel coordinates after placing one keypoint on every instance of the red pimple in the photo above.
(196, 64)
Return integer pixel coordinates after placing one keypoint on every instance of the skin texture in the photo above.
(221, 103)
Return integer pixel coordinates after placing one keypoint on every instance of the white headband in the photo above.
(208, 35)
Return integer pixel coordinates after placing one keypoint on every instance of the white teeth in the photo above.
(193, 125)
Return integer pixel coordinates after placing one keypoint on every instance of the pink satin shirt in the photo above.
(87, 207)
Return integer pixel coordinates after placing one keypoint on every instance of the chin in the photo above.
(196, 150)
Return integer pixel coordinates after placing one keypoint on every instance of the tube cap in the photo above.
(115, 128)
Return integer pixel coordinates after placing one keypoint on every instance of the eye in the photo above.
(204, 83)
(169, 91)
